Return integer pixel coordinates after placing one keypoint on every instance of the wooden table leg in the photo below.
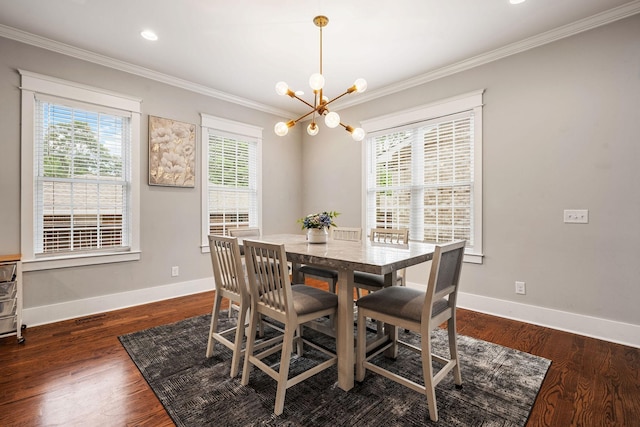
(344, 330)
(390, 279)
(296, 277)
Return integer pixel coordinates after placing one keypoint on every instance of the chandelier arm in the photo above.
(336, 98)
(348, 128)
(315, 106)
(305, 115)
(303, 101)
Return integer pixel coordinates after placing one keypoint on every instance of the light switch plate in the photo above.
(576, 216)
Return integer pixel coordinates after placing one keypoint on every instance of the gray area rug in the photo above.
(500, 385)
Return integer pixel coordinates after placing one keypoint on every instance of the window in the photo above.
(79, 198)
(424, 172)
(230, 186)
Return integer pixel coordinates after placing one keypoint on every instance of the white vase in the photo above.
(317, 235)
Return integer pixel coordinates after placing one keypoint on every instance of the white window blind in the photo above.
(82, 165)
(424, 180)
(232, 183)
(424, 172)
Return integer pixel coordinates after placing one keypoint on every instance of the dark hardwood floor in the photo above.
(76, 373)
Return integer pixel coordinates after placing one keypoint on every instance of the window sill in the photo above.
(473, 258)
(50, 263)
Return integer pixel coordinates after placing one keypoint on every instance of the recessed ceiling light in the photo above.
(516, 1)
(149, 35)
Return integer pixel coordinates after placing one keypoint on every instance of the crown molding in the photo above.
(85, 55)
(604, 18)
(598, 20)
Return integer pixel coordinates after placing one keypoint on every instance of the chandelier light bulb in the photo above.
(332, 119)
(361, 85)
(313, 129)
(281, 129)
(282, 88)
(358, 134)
(316, 81)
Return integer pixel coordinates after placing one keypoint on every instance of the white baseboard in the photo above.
(41, 315)
(594, 327)
(603, 329)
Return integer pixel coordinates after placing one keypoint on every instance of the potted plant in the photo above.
(317, 225)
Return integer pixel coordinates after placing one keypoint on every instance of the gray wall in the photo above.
(561, 126)
(561, 131)
(170, 217)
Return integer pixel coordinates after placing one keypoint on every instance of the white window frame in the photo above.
(216, 125)
(32, 84)
(471, 101)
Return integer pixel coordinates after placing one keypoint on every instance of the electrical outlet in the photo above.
(175, 271)
(521, 288)
(576, 216)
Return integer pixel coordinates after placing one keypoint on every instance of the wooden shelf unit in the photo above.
(11, 296)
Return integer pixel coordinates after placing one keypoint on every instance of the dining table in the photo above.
(346, 257)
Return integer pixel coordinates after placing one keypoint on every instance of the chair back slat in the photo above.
(395, 236)
(227, 264)
(269, 281)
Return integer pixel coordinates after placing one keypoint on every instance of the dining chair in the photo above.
(245, 232)
(327, 275)
(272, 295)
(242, 233)
(421, 312)
(374, 282)
(230, 283)
(324, 274)
(353, 234)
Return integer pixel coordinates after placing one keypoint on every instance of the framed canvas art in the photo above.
(172, 153)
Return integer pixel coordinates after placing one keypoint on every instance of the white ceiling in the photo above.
(238, 50)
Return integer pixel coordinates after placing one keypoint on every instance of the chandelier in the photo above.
(320, 104)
